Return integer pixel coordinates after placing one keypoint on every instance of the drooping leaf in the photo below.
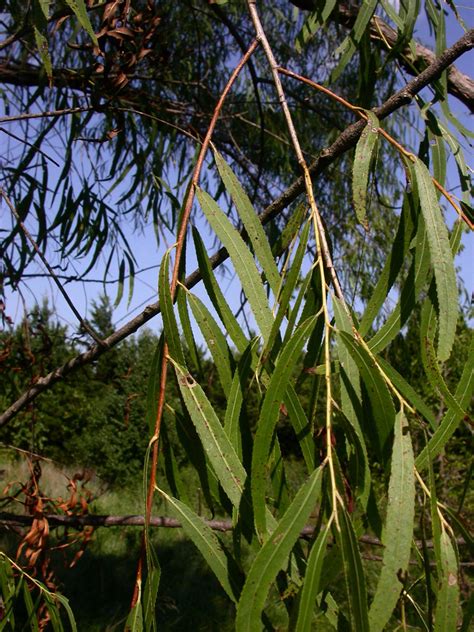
(382, 408)
(208, 544)
(214, 439)
(216, 341)
(398, 531)
(242, 260)
(448, 591)
(217, 297)
(353, 574)
(451, 419)
(251, 222)
(362, 163)
(441, 259)
(79, 9)
(310, 587)
(273, 555)
(167, 311)
(269, 415)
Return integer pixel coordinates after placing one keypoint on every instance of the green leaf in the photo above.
(43, 49)
(353, 573)
(150, 594)
(236, 398)
(451, 419)
(214, 292)
(408, 392)
(208, 544)
(216, 444)
(134, 622)
(216, 341)
(398, 531)
(273, 554)
(448, 591)
(362, 163)
(383, 410)
(301, 426)
(79, 9)
(289, 286)
(392, 266)
(346, 50)
(167, 312)
(411, 288)
(251, 222)
(311, 588)
(268, 418)
(441, 260)
(242, 260)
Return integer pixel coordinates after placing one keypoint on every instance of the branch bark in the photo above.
(459, 85)
(90, 520)
(343, 143)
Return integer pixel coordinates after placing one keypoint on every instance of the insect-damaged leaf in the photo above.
(214, 439)
(398, 530)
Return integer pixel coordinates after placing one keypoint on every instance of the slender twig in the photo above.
(174, 281)
(84, 324)
(324, 259)
(48, 114)
(345, 141)
(361, 113)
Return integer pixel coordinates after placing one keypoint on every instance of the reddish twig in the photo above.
(174, 281)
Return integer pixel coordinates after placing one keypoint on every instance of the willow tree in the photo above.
(266, 97)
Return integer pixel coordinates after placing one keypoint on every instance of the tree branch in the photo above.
(459, 85)
(343, 143)
(90, 520)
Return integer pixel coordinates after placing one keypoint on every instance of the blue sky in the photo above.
(144, 245)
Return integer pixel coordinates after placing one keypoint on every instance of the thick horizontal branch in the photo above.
(346, 140)
(459, 85)
(411, 59)
(90, 520)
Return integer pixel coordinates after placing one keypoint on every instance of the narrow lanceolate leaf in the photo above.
(221, 454)
(354, 574)
(242, 260)
(79, 9)
(252, 224)
(392, 266)
(207, 542)
(351, 395)
(301, 426)
(167, 312)
(451, 419)
(362, 163)
(216, 341)
(349, 46)
(408, 392)
(273, 555)
(383, 410)
(310, 588)
(43, 49)
(134, 622)
(217, 297)
(269, 416)
(448, 591)
(398, 530)
(441, 259)
(235, 399)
